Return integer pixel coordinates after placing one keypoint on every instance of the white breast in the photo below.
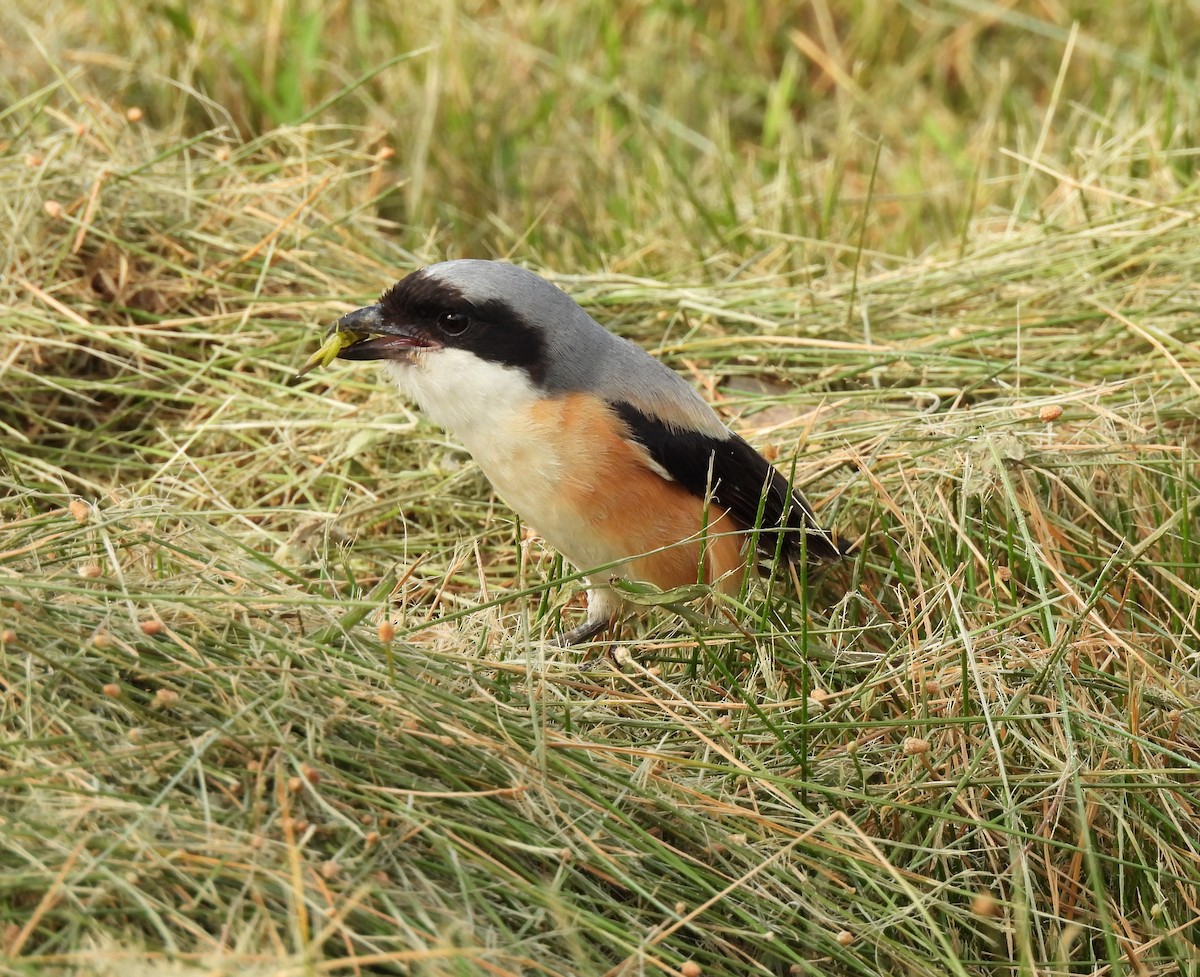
(488, 408)
(533, 465)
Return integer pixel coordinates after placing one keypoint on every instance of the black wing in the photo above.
(737, 478)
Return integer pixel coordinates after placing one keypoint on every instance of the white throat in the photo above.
(462, 392)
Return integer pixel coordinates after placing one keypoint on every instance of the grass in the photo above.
(939, 259)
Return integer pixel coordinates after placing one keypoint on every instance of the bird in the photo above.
(612, 456)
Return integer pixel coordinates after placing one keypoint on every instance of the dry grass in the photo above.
(973, 750)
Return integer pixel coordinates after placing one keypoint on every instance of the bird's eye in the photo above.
(453, 323)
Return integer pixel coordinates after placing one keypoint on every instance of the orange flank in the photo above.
(624, 506)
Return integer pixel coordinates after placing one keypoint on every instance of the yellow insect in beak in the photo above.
(335, 341)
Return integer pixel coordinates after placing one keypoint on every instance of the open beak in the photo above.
(372, 337)
(365, 334)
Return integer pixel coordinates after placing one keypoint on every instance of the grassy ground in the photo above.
(939, 258)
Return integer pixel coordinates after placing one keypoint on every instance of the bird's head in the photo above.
(499, 313)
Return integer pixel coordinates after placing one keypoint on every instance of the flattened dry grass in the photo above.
(973, 749)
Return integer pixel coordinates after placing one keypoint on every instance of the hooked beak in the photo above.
(381, 338)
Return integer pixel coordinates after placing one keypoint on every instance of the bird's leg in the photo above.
(585, 632)
(604, 606)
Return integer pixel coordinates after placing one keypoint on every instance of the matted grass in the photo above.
(973, 749)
